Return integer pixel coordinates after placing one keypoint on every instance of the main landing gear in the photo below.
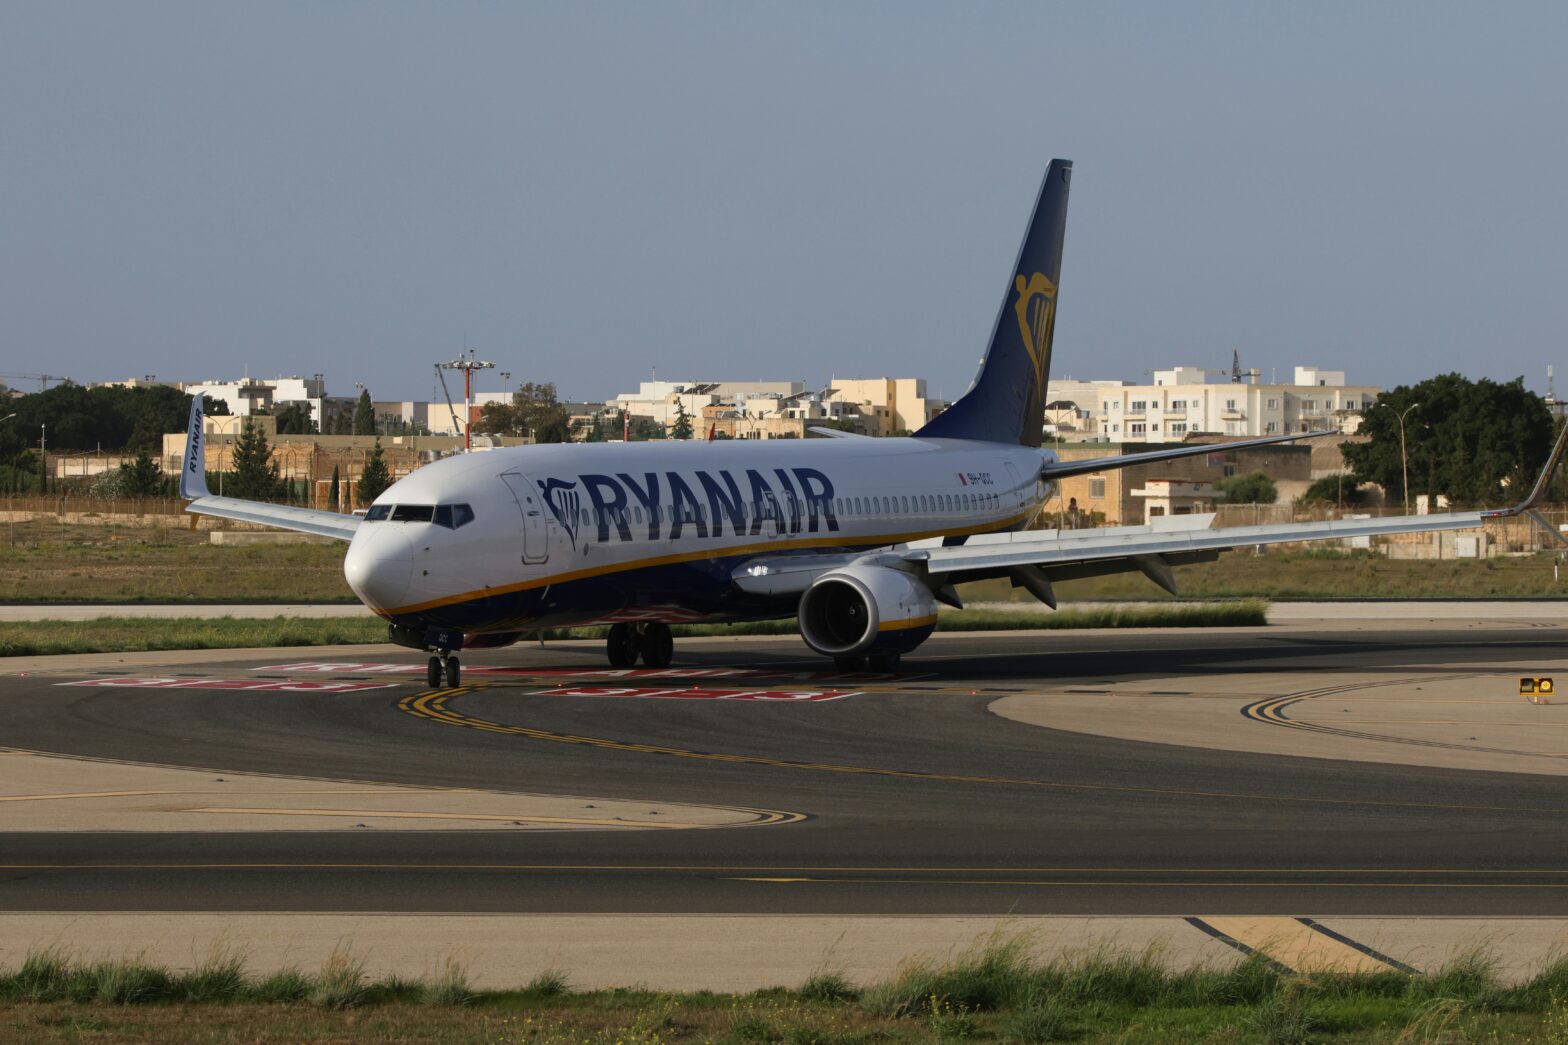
(443, 663)
(652, 642)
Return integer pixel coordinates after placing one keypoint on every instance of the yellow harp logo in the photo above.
(1036, 311)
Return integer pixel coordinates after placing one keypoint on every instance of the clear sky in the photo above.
(782, 190)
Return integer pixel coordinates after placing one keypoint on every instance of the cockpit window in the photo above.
(452, 516)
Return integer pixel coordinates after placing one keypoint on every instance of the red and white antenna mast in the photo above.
(468, 365)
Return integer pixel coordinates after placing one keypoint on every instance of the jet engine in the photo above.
(865, 610)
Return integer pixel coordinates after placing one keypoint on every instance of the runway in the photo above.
(869, 795)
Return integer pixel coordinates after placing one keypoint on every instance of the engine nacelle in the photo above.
(863, 609)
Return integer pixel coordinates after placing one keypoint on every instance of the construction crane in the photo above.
(457, 426)
(42, 379)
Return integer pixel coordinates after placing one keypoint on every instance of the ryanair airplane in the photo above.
(858, 538)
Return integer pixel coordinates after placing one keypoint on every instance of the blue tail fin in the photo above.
(1006, 404)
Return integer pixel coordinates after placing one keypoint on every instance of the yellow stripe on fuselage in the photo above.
(777, 544)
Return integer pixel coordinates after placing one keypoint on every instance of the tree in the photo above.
(332, 491)
(294, 419)
(376, 477)
(255, 472)
(1334, 489)
(643, 429)
(364, 414)
(1475, 442)
(1251, 488)
(141, 478)
(534, 411)
(682, 427)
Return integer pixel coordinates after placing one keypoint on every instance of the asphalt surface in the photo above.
(917, 799)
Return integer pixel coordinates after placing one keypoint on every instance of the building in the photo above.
(252, 395)
(887, 405)
(1184, 400)
(1132, 496)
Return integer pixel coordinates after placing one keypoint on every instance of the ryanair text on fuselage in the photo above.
(693, 504)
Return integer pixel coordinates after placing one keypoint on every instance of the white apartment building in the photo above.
(1185, 400)
(249, 395)
(662, 400)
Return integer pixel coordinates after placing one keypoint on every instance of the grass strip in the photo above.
(998, 990)
(132, 634)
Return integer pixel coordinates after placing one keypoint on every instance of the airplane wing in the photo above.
(193, 485)
(1034, 558)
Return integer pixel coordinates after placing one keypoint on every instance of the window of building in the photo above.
(1097, 488)
(1270, 428)
(1137, 428)
(1230, 404)
(1273, 404)
(1139, 406)
(1179, 428)
(1309, 404)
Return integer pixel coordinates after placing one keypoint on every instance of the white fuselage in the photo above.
(530, 537)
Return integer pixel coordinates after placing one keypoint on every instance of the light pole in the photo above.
(1404, 461)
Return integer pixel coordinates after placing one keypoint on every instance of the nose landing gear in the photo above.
(652, 642)
(443, 663)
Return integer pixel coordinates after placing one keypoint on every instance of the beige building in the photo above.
(1184, 400)
(308, 461)
(887, 405)
(1128, 496)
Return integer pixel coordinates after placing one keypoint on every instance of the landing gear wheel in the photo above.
(849, 663)
(885, 663)
(621, 646)
(454, 672)
(433, 673)
(656, 644)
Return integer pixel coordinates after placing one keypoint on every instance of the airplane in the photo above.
(858, 538)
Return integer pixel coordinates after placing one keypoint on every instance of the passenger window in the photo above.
(413, 513)
(378, 512)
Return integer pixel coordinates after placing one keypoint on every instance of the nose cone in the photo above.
(380, 565)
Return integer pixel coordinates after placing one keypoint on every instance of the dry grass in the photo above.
(48, 561)
(995, 991)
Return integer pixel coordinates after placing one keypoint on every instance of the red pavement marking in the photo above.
(351, 668)
(251, 685)
(697, 694)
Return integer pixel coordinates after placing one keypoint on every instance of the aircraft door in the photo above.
(536, 538)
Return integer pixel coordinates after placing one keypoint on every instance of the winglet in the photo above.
(193, 476)
(1542, 481)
